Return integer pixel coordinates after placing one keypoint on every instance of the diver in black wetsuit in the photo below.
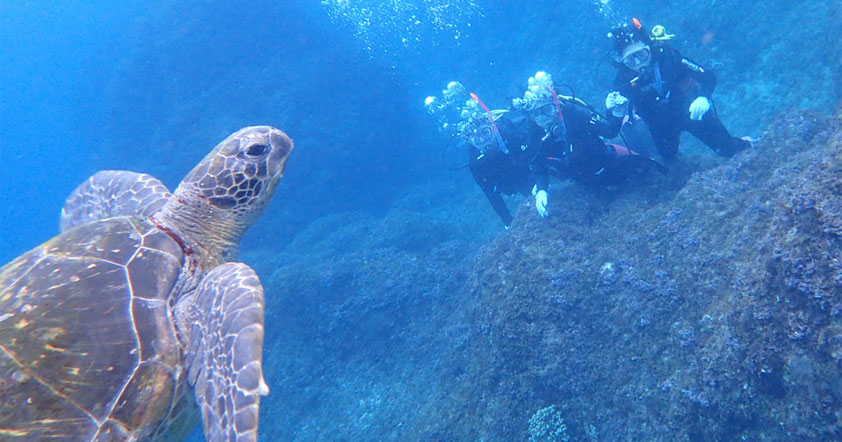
(572, 146)
(502, 157)
(670, 93)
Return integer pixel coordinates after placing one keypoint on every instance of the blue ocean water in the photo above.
(372, 253)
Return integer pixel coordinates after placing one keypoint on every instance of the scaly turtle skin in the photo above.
(120, 326)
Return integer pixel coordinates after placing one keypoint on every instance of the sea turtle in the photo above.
(134, 318)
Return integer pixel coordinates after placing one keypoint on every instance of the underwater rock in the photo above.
(369, 322)
(711, 312)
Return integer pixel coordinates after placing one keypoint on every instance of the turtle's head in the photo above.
(225, 193)
(241, 173)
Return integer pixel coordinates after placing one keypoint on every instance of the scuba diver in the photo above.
(502, 145)
(502, 149)
(669, 92)
(572, 146)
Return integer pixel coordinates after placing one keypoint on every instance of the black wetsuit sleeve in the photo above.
(498, 205)
(601, 125)
(613, 125)
(487, 187)
(704, 77)
(596, 123)
(520, 131)
(538, 162)
(541, 174)
(622, 84)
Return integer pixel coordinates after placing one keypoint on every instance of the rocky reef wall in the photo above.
(713, 312)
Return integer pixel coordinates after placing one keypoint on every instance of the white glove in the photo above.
(698, 108)
(541, 202)
(617, 104)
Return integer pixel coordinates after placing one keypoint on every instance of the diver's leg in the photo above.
(713, 133)
(635, 133)
(666, 138)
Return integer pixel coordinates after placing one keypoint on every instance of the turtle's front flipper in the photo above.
(226, 346)
(113, 193)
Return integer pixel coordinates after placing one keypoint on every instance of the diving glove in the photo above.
(541, 202)
(617, 104)
(698, 108)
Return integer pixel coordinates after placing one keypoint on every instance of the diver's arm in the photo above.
(704, 77)
(624, 82)
(612, 126)
(596, 123)
(499, 206)
(492, 194)
(600, 125)
(622, 86)
(540, 174)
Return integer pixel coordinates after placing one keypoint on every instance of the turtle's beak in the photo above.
(282, 146)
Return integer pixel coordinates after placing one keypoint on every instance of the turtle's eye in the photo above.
(256, 150)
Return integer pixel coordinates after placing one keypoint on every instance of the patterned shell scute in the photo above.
(85, 334)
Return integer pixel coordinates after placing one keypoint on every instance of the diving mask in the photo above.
(482, 138)
(547, 109)
(637, 58)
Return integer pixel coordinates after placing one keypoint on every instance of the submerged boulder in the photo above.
(708, 312)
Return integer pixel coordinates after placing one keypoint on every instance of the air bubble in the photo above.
(400, 25)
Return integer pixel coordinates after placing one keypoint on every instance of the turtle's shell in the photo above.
(88, 348)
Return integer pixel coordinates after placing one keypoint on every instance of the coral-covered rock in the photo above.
(709, 313)
(368, 324)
